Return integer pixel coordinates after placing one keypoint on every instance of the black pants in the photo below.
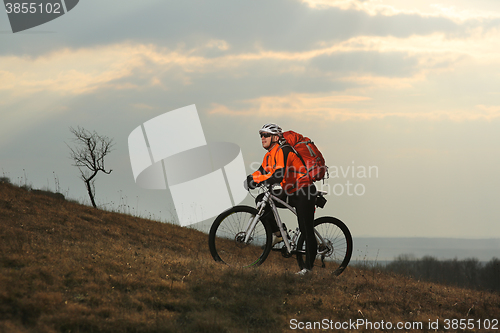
(304, 201)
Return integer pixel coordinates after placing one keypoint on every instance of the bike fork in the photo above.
(251, 224)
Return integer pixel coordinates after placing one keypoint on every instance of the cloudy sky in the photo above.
(408, 90)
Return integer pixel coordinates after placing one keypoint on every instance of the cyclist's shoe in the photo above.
(276, 240)
(303, 272)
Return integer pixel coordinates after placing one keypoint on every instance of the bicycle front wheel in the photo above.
(334, 244)
(226, 239)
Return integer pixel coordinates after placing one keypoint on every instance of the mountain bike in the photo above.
(239, 238)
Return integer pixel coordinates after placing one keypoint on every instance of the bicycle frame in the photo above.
(270, 198)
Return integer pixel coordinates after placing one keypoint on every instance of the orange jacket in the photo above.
(281, 165)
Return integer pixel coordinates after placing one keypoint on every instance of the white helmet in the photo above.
(272, 129)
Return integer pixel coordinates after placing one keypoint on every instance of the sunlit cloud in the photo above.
(453, 10)
(371, 7)
(324, 106)
(343, 108)
(66, 71)
(136, 67)
(488, 112)
(217, 44)
(84, 70)
(143, 106)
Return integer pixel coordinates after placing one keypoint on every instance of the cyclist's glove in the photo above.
(249, 183)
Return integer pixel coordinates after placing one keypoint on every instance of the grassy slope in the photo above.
(70, 268)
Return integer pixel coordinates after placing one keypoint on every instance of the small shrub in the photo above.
(49, 194)
(5, 180)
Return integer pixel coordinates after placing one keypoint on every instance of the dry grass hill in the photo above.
(65, 267)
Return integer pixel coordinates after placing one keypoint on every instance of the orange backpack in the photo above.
(310, 156)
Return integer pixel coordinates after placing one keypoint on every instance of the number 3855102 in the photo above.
(488, 324)
(33, 8)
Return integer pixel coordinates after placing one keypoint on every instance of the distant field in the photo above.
(386, 249)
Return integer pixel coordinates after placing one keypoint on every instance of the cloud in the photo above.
(458, 11)
(365, 67)
(320, 106)
(488, 112)
(281, 25)
(334, 107)
(371, 7)
(67, 71)
(143, 106)
(315, 106)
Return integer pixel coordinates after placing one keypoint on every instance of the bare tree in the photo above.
(88, 155)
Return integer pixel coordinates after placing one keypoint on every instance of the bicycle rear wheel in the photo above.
(336, 248)
(226, 239)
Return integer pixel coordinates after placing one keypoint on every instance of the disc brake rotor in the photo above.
(239, 239)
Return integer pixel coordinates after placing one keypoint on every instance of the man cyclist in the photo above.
(281, 165)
